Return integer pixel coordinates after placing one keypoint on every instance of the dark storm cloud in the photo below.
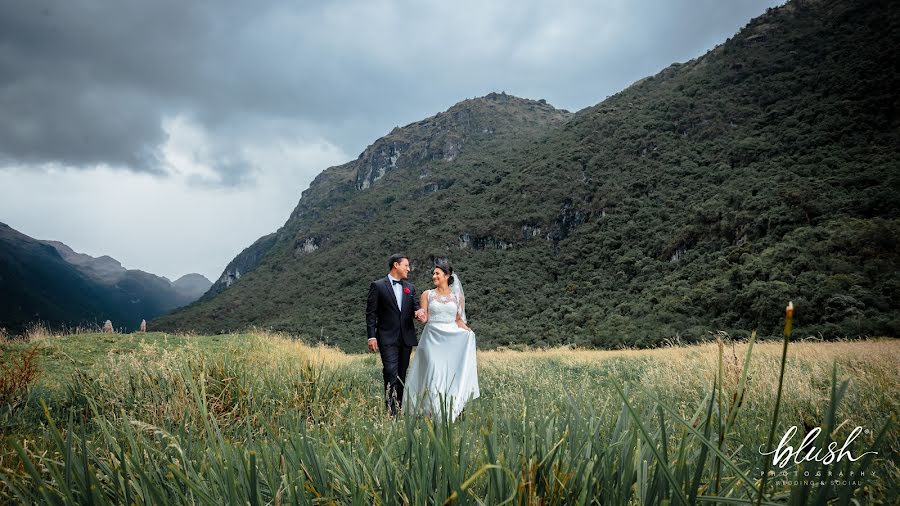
(92, 83)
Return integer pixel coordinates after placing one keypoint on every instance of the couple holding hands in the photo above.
(443, 374)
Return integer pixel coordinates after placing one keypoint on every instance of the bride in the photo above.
(443, 372)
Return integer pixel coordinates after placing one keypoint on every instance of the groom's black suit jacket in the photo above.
(384, 320)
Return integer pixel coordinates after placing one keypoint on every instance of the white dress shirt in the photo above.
(398, 291)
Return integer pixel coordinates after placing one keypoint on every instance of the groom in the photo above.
(390, 308)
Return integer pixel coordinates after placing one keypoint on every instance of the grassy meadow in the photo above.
(261, 418)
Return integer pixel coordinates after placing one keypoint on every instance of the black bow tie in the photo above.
(395, 282)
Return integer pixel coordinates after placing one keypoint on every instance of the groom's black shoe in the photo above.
(390, 401)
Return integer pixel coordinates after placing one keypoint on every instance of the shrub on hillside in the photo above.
(18, 372)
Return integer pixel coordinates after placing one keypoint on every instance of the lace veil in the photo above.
(457, 289)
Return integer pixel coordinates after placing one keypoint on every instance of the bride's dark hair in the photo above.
(444, 265)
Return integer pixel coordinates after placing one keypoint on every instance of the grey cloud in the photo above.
(231, 172)
(90, 83)
(43, 123)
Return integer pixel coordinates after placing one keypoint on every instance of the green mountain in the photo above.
(702, 198)
(245, 262)
(48, 282)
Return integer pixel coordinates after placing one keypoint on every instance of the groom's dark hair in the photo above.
(394, 259)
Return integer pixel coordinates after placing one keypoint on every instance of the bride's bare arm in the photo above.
(423, 306)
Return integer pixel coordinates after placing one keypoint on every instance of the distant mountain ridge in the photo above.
(192, 286)
(698, 199)
(48, 282)
(104, 268)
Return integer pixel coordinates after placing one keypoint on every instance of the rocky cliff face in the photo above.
(443, 137)
(244, 263)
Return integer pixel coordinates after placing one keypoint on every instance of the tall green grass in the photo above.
(243, 424)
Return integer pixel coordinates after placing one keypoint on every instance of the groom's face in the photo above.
(402, 268)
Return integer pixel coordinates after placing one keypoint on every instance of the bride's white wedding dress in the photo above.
(443, 369)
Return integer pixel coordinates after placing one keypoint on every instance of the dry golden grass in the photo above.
(37, 332)
(260, 388)
(273, 347)
(687, 372)
(692, 354)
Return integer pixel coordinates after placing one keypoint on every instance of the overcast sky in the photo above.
(170, 135)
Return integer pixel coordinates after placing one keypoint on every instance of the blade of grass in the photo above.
(789, 316)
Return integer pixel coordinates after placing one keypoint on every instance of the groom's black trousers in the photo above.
(395, 361)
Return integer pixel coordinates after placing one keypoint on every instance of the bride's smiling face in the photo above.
(439, 278)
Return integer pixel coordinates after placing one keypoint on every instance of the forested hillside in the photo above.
(698, 199)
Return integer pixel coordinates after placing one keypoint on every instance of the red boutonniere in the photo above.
(406, 290)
